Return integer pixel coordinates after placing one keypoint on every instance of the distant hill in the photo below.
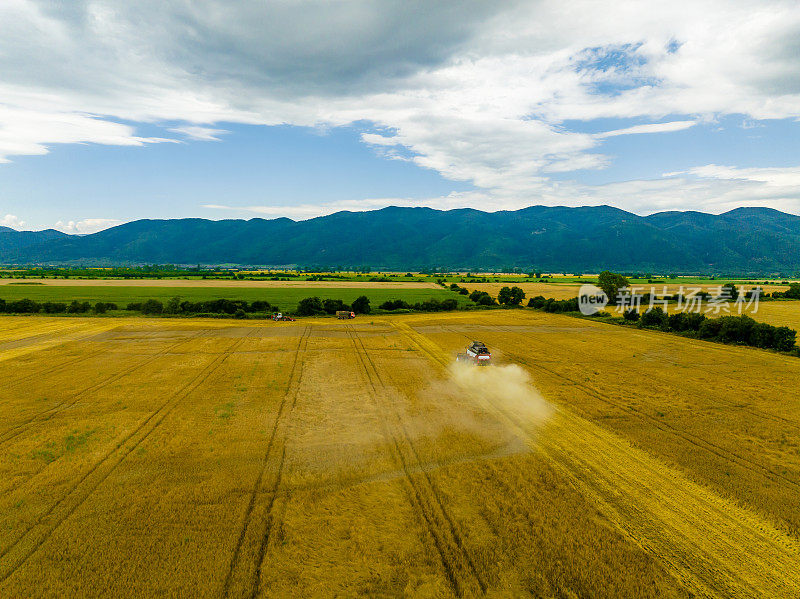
(585, 239)
(12, 241)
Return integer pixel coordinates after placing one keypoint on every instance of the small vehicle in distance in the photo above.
(345, 314)
(278, 316)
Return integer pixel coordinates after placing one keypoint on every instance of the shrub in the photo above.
(239, 314)
(511, 296)
(361, 305)
(784, 338)
(310, 306)
(710, 328)
(678, 322)
(762, 335)
(735, 329)
(23, 306)
(431, 305)
(482, 298)
(152, 306)
(695, 320)
(54, 307)
(558, 306)
(331, 306)
(536, 302)
(173, 306)
(262, 306)
(100, 308)
(77, 307)
(654, 318)
(397, 304)
(631, 315)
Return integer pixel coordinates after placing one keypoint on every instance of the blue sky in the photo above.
(251, 165)
(113, 111)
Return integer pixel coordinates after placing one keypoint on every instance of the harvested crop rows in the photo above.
(220, 459)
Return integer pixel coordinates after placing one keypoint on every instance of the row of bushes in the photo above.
(431, 305)
(28, 306)
(482, 298)
(151, 306)
(725, 329)
(553, 305)
(313, 306)
(218, 306)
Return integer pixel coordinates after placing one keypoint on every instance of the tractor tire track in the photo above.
(459, 566)
(37, 533)
(55, 368)
(329, 488)
(55, 336)
(720, 399)
(276, 445)
(694, 440)
(33, 329)
(713, 546)
(85, 357)
(45, 415)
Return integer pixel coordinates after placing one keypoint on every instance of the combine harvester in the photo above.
(477, 353)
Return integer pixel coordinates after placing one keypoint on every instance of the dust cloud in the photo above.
(506, 389)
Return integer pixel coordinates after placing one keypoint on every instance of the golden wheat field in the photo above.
(319, 458)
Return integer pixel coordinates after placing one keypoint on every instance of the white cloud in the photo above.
(30, 131)
(86, 226)
(9, 220)
(652, 128)
(478, 92)
(199, 133)
(781, 177)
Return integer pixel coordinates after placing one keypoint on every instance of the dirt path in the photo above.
(714, 547)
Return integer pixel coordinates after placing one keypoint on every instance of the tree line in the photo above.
(149, 307)
(28, 306)
(741, 330)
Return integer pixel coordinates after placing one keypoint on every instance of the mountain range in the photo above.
(584, 239)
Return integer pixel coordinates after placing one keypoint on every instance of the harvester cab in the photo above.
(477, 353)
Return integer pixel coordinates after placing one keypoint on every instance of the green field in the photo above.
(285, 298)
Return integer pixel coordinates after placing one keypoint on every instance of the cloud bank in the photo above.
(477, 91)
